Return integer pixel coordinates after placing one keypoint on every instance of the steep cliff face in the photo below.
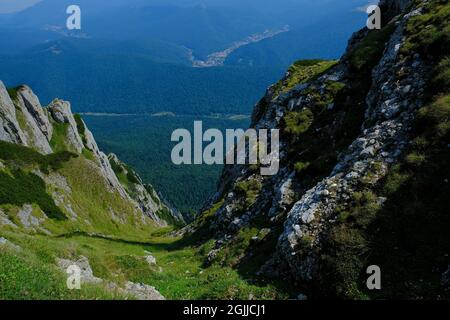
(64, 203)
(54, 132)
(356, 136)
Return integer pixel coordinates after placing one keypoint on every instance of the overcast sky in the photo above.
(15, 5)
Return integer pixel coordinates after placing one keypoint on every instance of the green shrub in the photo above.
(80, 128)
(20, 280)
(55, 161)
(130, 262)
(369, 51)
(322, 164)
(345, 251)
(126, 175)
(13, 93)
(441, 80)
(301, 166)
(19, 188)
(58, 141)
(435, 118)
(231, 254)
(347, 238)
(297, 123)
(202, 225)
(249, 190)
(29, 279)
(166, 216)
(151, 192)
(301, 72)
(88, 154)
(415, 159)
(116, 167)
(420, 143)
(17, 155)
(410, 235)
(394, 180)
(132, 176)
(429, 33)
(407, 235)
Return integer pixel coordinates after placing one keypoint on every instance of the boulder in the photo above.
(87, 276)
(151, 260)
(141, 291)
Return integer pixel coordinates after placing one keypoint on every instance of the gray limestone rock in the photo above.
(38, 130)
(385, 130)
(61, 113)
(10, 130)
(6, 243)
(5, 221)
(87, 275)
(141, 291)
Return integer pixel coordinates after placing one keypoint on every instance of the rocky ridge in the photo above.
(51, 129)
(390, 105)
(343, 130)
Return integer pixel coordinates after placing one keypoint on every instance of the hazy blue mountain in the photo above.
(323, 38)
(135, 57)
(18, 41)
(96, 80)
(200, 27)
(203, 26)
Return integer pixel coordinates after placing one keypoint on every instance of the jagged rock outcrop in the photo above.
(9, 127)
(55, 128)
(56, 182)
(38, 131)
(342, 131)
(390, 106)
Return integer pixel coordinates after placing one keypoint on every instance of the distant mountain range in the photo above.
(125, 44)
(358, 209)
(137, 57)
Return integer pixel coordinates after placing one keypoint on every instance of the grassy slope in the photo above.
(182, 274)
(115, 247)
(410, 243)
(115, 244)
(301, 72)
(31, 273)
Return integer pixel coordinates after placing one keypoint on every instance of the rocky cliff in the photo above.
(363, 168)
(55, 132)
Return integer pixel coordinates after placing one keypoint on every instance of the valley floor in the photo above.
(28, 269)
(144, 143)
